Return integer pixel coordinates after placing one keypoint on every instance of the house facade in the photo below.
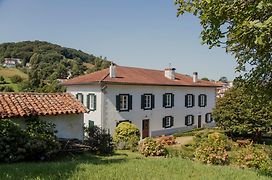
(61, 109)
(157, 102)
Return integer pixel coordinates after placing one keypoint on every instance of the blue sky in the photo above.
(131, 33)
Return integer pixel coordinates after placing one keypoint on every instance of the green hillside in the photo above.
(44, 63)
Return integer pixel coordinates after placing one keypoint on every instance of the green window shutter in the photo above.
(117, 102)
(130, 102)
(88, 101)
(205, 101)
(193, 97)
(193, 120)
(172, 100)
(206, 118)
(142, 101)
(163, 100)
(94, 99)
(172, 121)
(163, 122)
(199, 100)
(91, 123)
(77, 96)
(152, 101)
(186, 101)
(186, 120)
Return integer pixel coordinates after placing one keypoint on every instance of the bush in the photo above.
(36, 142)
(150, 147)
(167, 140)
(126, 136)
(251, 156)
(99, 140)
(16, 79)
(185, 152)
(213, 150)
(6, 89)
(2, 80)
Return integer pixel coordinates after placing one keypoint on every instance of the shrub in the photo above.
(150, 147)
(185, 152)
(36, 142)
(6, 89)
(126, 136)
(16, 79)
(213, 150)
(99, 140)
(167, 140)
(251, 156)
(2, 80)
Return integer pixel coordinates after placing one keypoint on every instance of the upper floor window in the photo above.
(202, 100)
(147, 101)
(91, 102)
(168, 100)
(189, 100)
(208, 118)
(79, 97)
(124, 102)
(189, 120)
(168, 121)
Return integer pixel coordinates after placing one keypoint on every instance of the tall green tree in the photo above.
(244, 29)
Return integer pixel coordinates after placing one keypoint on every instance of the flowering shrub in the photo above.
(150, 147)
(167, 140)
(213, 150)
(254, 157)
(126, 136)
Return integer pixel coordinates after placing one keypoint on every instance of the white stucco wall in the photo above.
(68, 126)
(106, 115)
(96, 115)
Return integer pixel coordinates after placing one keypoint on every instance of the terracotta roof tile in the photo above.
(132, 75)
(26, 104)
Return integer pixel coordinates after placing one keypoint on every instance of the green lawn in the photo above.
(9, 72)
(123, 165)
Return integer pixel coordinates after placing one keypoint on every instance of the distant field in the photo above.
(9, 72)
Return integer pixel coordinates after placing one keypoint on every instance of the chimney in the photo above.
(170, 73)
(112, 71)
(195, 77)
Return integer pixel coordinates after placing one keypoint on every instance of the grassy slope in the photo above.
(9, 72)
(124, 165)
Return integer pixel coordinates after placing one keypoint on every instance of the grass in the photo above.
(123, 165)
(9, 72)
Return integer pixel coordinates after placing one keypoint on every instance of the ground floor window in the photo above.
(168, 121)
(189, 120)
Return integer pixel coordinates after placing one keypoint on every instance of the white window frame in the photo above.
(168, 121)
(80, 97)
(148, 101)
(190, 120)
(168, 100)
(92, 105)
(209, 117)
(190, 100)
(124, 102)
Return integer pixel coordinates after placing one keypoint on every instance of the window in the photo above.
(91, 123)
(124, 102)
(208, 118)
(168, 100)
(91, 102)
(168, 121)
(147, 101)
(202, 100)
(189, 120)
(79, 97)
(189, 100)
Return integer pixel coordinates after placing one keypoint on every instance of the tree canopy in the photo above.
(244, 29)
(45, 63)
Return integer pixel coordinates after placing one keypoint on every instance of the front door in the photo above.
(199, 121)
(145, 128)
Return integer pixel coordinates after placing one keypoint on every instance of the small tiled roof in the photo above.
(132, 75)
(41, 104)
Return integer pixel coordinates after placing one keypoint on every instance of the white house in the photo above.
(11, 62)
(62, 109)
(158, 102)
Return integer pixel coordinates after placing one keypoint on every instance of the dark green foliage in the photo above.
(48, 62)
(240, 115)
(99, 140)
(36, 142)
(6, 89)
(16, 79)
(2, 80)
(126, 136)
(223, 79)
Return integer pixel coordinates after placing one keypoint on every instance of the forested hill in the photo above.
(45, 62)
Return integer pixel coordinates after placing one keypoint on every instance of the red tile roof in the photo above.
(132, 75)
(27, 104)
